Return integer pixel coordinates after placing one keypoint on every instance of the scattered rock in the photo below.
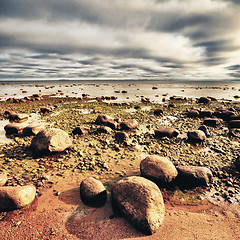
(129, 124)
(192, 176)
(158, 112)
(145, 100)
(193, 113)
(140, 202)
(234, 124)
(196, 136)
(46, 109)
(3, 179)
(205, 130)
(166, 132)
(206, 113)
(158, 169)
(104, 129)
(51, 140)
(92, 192)
(121, 137)
(18, 118)
(79, 130)
(13, 129)
(204, 100)
(16, 197)
(32, 129)
(102, 118)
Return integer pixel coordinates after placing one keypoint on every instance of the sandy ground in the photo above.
(65, 217)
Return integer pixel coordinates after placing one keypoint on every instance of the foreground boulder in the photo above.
(92, 192)
(140, 202)
(129, 124)
(32, 129)
(158, 169)
(13, 129)
(192, 176)
(52, 140)
(12, 198)
(196, 136)
(166, 132)
(3, 179)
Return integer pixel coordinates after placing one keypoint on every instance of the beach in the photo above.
(58, 212)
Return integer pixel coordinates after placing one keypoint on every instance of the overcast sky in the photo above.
(162, 39)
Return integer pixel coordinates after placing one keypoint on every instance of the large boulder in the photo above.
(192, 176)
(18, 117)
(16, 197)
(196, 136)
(204, 100)
(140, 202)
(166, 132)
(32, 129)
(3, 179)
(129, 124)
(52, 140)
(92, 192)
(158, 169)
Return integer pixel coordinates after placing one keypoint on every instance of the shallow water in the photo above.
(134, 89)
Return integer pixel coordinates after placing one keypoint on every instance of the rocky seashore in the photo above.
(131, 151)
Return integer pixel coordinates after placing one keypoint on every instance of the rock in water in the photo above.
(3, 179)
(52, 140)
(192, 176)
(158, 169)
(92, 192)
(16, 197)
(140, 202)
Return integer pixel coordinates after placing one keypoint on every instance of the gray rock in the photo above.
(140, 202)
(196, 136)
(158, 169)
(32, 129)
(166, 132)
(194, 176)
(92, 192)
(129, 124)
(52, 140)
(16, 197)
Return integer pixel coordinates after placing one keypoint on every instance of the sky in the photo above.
(120, 39)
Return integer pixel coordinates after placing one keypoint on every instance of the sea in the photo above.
(124, 90)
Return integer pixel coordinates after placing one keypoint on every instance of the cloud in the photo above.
(72, 38)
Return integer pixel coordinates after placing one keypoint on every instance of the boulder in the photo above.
(158, 112)
(166, 132)
(104, 129)
(32, 129)
(193, 113)
(196, 136)
(12, 198)
(235, 117)
(234, 124)
(204, 100)
(121, 137)
(13, 129)
(206, 113)
(111, 124)
(237, 163)
(102, 118)
(7, 113)
(145, 100)
(158, 169)
(92, 192)
(18, 117)
(79, 130)
(205, 130)
(129, 124)
(51, 140)
(224, 114)
(3, 179)
(212, 122)
(140, 202)
(192, 176)
(46, 109)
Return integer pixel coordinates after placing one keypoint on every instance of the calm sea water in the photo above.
(135, 89)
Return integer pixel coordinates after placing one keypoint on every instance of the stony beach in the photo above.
(98, 152)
